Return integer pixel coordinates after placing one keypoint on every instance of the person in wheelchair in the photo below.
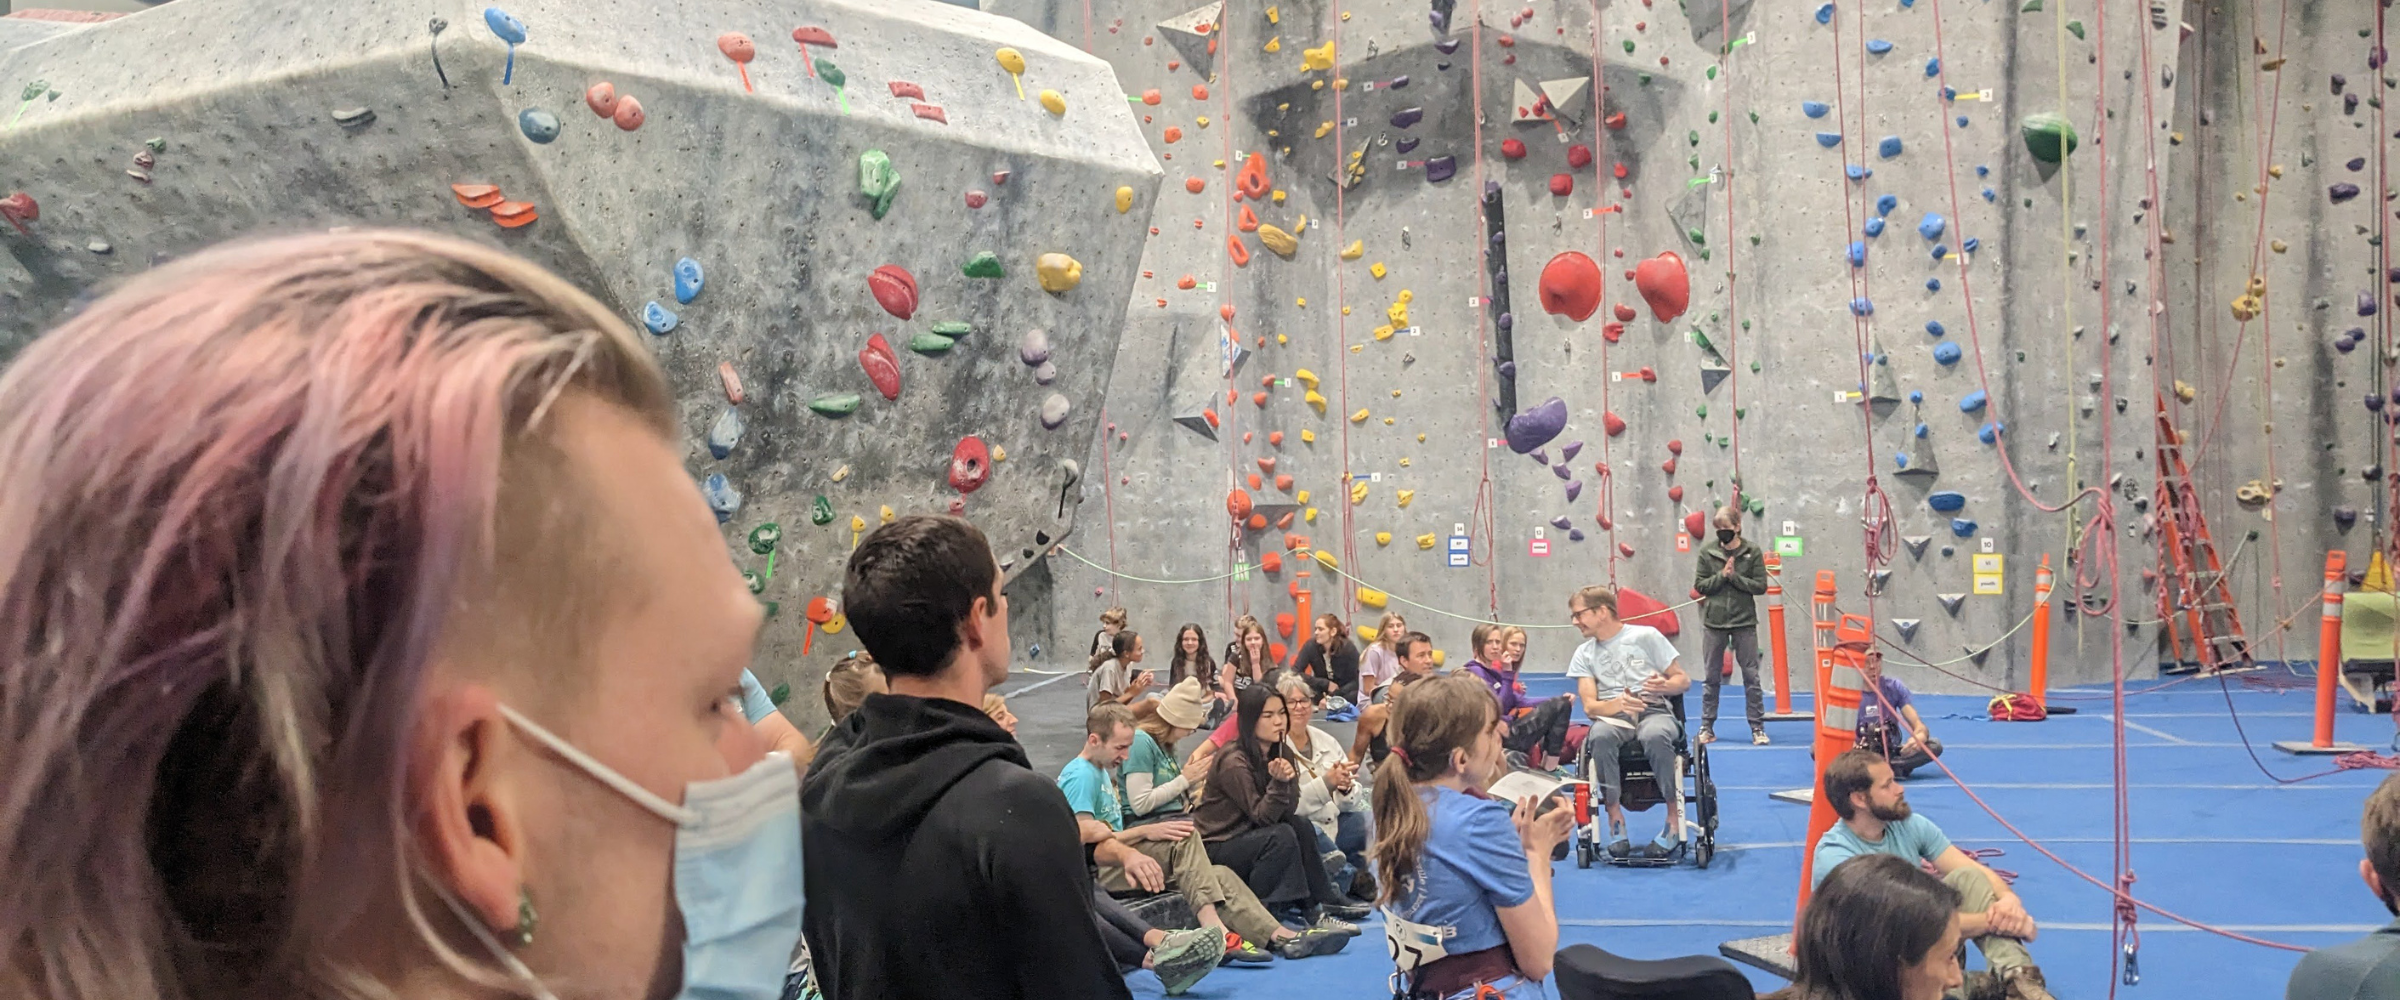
(1466, 897)
(1624, 677)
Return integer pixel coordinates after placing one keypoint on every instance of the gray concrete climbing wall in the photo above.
(1697, 107)
(248, 117)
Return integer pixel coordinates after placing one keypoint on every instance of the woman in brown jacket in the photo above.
(1251, 822)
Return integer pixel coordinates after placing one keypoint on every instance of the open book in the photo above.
(1519, 785)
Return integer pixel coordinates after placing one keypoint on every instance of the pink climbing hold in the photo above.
(732, 381)
(1665, 285)
(629, 114)
(1674, 445)
(895, 290)
(1625, 549)
(602, 99)
(1571, 286)
(970, 464)
(1668, 466)
(903, 88)
(882, 366)
(1579, 156)
(929, 112)
(1675, 494)
(19, 208)
(1626, 313)
(1615, 424)
(1562, 185)
(975, 199)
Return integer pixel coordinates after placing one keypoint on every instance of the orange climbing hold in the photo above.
(1237, 503)
(1252, 181)
(1257, 522)
(1199, 91)
(1255, 482)
(514, 214)
(1226, 310)
(1275, 438)
(1240, 253)
(1195, 185)
(1258, 399)
(1248, 220)
(1286, 520)
(1186, 283)
(1615, 122)
(1271, 562)
(1267, 464)
(477, 195)
(1211, 417)
(1284, 482)
(1172, 133)
(1151, 97)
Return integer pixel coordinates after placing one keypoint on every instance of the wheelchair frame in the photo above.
(1640, 793)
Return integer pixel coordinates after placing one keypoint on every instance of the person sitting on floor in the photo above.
(1329, 659)
(1889, 725)
(1466, 878)
(1331, 796)
(1168, 854)
(1380, 662)
(1625, 674)
(1877, 926)
(1415, 650)
(847, 684)
(2368, 968)
(1112, 621)
(997, 707)
(1179, 958)
(1251, 823)
(1875, 819)
(1512, 638)
(1246, 660)
(1151, 783)
(1113, 676)
(1537, 728)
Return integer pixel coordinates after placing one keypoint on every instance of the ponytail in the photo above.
(1116, 649)
(1440, 715)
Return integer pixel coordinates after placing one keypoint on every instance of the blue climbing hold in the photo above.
(722, 497)
(538, 125)
(725, 433)
(1982, 170)
(1962, 527)
(511, 31)
(1875, 226)
(1933, 66)
(1916, 396)
(1933, 284)
(1859, 173)
(658, 319)
(1971, 245)
(1949, 94)
(1991, 432)
(1858, 253)
(1900, 458)
(1962, 121)
(687, 280)
(1861, 307)
(1922, 430)
(1941, 250)
(1889, 147)
(1814, 109)
(1947, 501)
(1933, 328)
(1990, 195)
(1878, 46)
(1947, 352)
(1932, 227)
(1825, 13)
(1829, 139)
(1885, 204)
(1972, 402)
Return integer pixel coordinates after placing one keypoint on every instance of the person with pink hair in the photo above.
(362, 634)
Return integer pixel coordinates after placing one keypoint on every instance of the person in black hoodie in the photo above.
(939, 863)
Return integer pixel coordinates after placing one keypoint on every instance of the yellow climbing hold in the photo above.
(1054, 102)
(1425, 541)
(1325, 128)
(1276, 196)
(1396, 395)
(841, 473)
(1358, 491)
(1280, 339)
(1284, 244)
(1356, 249)
(836, 623)
(999, 454)
(1377, 270)
(1316, 84)
(1345, 310)
(1124, 200)
(1318, 58)
(1398, 311)
(1302, 303)
(1366, 634)
(1325, 559)
(1274, 15)
(858, 523)
(1305, 376)
(1316, 399)
(1383, 332)
(1373, 598)
(1420, 439)
(1057, 272)
(1202, 121)
(1387, 421)
(1014, 62)
(2184, 391)
(1407, 496)
(1383, 538)
(2275, 170)
(1309, 515)
(1308, 437)
(1301, 496)
(887, 514)
(1297, 227)
(1274, 44)
(1361, 415)
(2278, 246)
(1404, 463)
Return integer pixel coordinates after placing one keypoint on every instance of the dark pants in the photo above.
(1887, 740)
(1544, 726)
(1120, 930)
(1270, 859)
(1712, 674)
(1352, 843)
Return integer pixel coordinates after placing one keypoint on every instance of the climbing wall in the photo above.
(884, 249)
(1783, 215)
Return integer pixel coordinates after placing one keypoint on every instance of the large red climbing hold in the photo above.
(1237, 503)
(882, 366)
(1571, 286)
(1252, 181)
(895, 290)
(1693, 522)
(1562, 185)
(970, 464)
(1665, 285)
(1614, 423)
(1513, 148)
(1579, 156)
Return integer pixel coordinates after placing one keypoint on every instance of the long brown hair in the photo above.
(1441, 714)
(1255, 670)
(1341, 635)
(849, 682)
(1201, 664)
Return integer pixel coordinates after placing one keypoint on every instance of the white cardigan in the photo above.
(1318, 802)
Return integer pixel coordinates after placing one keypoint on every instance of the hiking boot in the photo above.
(1244, 952)
(1186, 957)
(2024, 982)
(1312, 943)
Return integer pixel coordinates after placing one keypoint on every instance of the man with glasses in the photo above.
(1624, 675)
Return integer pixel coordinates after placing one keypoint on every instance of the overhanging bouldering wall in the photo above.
(885, 248)
(1783, 214)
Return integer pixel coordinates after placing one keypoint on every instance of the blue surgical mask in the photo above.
(737, 873)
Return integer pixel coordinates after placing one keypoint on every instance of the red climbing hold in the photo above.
(1270, 561)
(1615, 122)
(1626, 313)
(1674, 445)
(1277, 651)
(629, 114)
(1151, 97)
(1284, 622)
(1284, 483)
(1579, 156)
(903, 88)
(1240, 253)
(1255, 482)
(1247, 221)
(882, 366)
(970, 464)
(1614, 332)
(1605, 523)
(895, 290)
(1258, 399)
(1225, 310)
(1257, 522)
(477, 195)
(1614, 423)
(1237, 503)
(1562, 185)
(1199, 91)
(1675, 494)
(1648, 374)
(19, 208)
(602, 99)
(1625, 549)
(1668, 466)
(1211, 417)
(1285, 521)
(975, 199)
(1693, 522)
(1513, 148)
(1275, 438)
(1665, 285)
(1252, 181)
(1266, 464)
(732, 381)
(1571, 286)
(1195, 185)
(1621, 171)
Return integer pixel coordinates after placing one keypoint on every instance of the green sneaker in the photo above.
(1186, 957)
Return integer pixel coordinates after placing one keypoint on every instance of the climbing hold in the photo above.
(1814, 109)
(931, 343)
(877, 180)
(2048, 136)
(1947, 352)
(1014, 62)
(725, 433)
(1972, 402)
(1888, 147)
(658, 319)
(602, 99)
(1321, 58)
(1427, 541)
(985, 264)
(739, 48)
(1284, 244)
(1579, 156)
(1251, 181)
(1824, 13)
(511, 31)
(1057, 272)
(1034, 348)
(1664, 284)
(1932, 227)
(1535, 427)
(1054, 411)
(1124, 199)
(1614, 424)
(1675, 494)
(688, 280)
(1962, 527)
(1571, 286)
(2342, 192)
(1946, 501)
(881, 365)
(1513, 148)
(1405, 496)
(970, 464)
(839, 404)
(1442, 168)
(894, 289)
(1053, 102)
(722, 497)
(1878, 46)
(629, 116)
(1916, 544)
(731, 380)
(538, 125)
(1407, 117)
(1562, 185)
(1990, 433)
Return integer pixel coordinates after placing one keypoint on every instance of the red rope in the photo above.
(1341, 316)
(1876, 508)
(1481, 515)
(1108, 490)
(1733, 299)
(1222, 33)
(1604, 491)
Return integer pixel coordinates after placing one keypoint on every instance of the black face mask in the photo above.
(1725, 536)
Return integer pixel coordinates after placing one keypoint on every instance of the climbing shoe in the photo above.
(1329, 922)
(1708, 736)
(1363, 887)
(1312, 943)
(1238, 951)
(1186, 957)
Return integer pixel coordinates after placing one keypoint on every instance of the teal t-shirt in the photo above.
(1147, 757)
(1911, 839)
(1090, 791)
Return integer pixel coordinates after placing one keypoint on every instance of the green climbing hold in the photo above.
(1693, 137)
(1745, 324)
(2031, 6)
(831, 73)
(764, 537)
(953, 329)
(1754, 368)
(1757, 506)
(2075, 28)
(985, 264)
(1644, 78)
(1694, 161)
(1628, 51)
(1712, 72)
(1753, 241)
(879, 182)
(1699, 239)
(839, 404)
(758, 584)
(1702, 411)
(1740, 412)
(1754, 118)
(1704, 254)
(821, 511)
(2048, 136)
(931, 343)
(782, 692)
(772, 608)
(1712, 117)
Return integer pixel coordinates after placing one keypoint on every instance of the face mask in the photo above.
(1725, 536)
(737, 871)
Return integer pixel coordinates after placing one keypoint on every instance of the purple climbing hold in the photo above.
(1446, 46)
(1508, 370)
(2374, 402)
(1535, 427)
(1562, 472)
(1054, 411)
(1397, 82)
(1507, 322)
(1568, 453)
(1440, 168)
(1540, 456)
(1045, 373)
(1574, 534)
(1406, 117)
(1407, 143)
(2356, 164)
(2340, 81)
(1439, 20)
(1035, 348)
(1574, 489)
(2349, 103)
(2375, 57)
(2342, 192)
(2366, 303)
(2345, 343)
(1561, 523)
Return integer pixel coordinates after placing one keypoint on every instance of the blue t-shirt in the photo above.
(1912, 839)
(755, 703)
(1870, 711)
(1473, 865)
(1088, 790)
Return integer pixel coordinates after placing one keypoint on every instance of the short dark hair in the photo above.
(1874, 915)
(2379, 826)
(1853, 771)
(911, 583)
(1104, 718)
(1408, 642)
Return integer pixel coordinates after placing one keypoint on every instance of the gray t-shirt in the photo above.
(2365, 969)
(1110, 677)
(1624, 661)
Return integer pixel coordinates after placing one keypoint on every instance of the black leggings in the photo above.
(1272, 860)
(1120, 930)
(1545, 726)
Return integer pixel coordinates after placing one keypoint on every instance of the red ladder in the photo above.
(2203, 630)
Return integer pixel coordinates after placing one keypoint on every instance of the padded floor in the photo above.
(2215, 841)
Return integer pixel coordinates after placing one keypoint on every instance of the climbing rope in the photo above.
(1108, 492)
(1341, 302)
(1222, 35)
(1113, 572)
(1604, 490)
(1481, 515)
(1876, 508)
(1733, 242)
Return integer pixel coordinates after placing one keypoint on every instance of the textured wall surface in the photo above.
(282, 116)
(1722, 156)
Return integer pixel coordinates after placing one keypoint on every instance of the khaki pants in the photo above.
(1189, 872)
(1999, 953)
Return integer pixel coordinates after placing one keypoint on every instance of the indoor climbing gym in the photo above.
(1270, 499)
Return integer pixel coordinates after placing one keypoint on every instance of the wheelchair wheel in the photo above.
(1704, 845)
(1583, 851)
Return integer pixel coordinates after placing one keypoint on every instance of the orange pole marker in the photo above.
(2040, 681)
(2329, 663)
(1842, 642)
(1778, 647)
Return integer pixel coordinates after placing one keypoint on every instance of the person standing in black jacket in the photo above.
(939, 863)
(1730, 577)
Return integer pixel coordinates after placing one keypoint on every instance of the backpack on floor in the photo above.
(2017, 708)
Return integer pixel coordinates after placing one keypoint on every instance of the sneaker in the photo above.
(1334, 862)
(1758, 737)
(1244, 952)
(1620, 848)
(1329, 922)
(1655, 851)
(1346, 911)
(1311, 944)
(1708, 736)
(2024, 982)
(1185, 958)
